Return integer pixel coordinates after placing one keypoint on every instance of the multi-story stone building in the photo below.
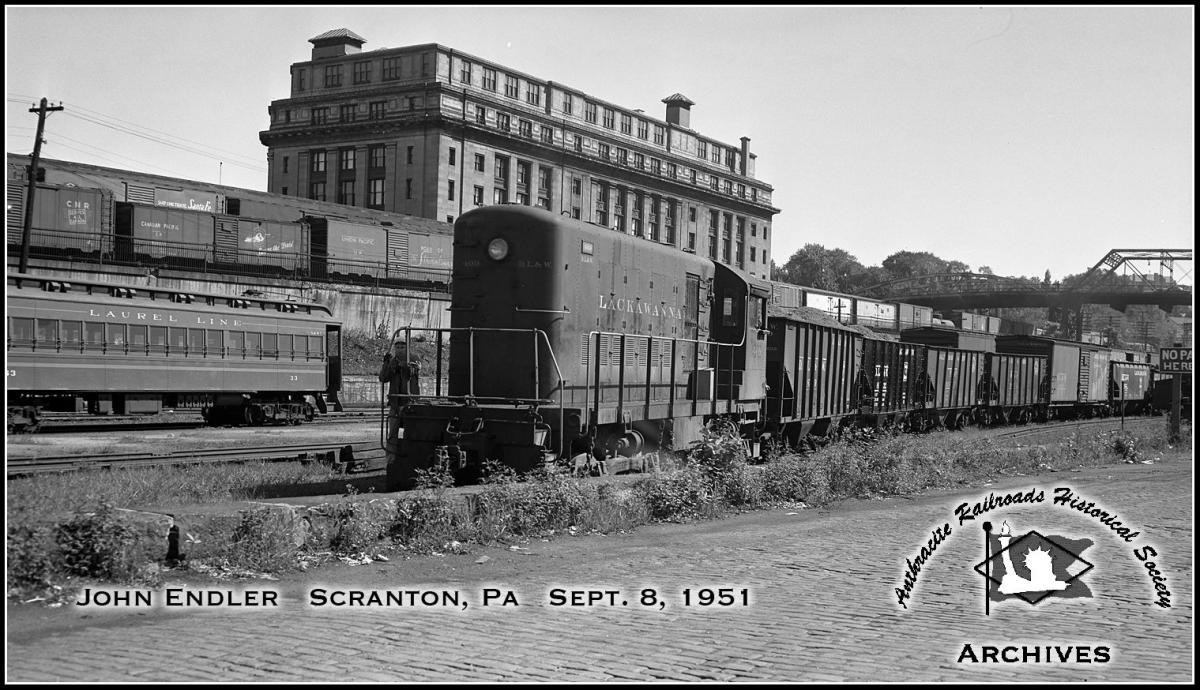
(429, 131)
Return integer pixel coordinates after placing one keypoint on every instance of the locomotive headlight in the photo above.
(498, 249)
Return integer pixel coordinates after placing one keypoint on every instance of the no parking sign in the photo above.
(1175, 360)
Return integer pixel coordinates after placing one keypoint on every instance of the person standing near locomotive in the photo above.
(402, 375)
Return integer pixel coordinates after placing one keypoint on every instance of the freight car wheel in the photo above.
(255, 416)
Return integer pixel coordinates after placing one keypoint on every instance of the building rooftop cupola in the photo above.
(679, 110)
(336, 43)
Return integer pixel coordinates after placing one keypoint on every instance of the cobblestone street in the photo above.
(822, 605)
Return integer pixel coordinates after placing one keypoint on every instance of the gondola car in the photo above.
(117, 348)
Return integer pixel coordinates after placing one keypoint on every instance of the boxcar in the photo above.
(1077, 377)
(67, 220)
(132, 349)
(950, 337)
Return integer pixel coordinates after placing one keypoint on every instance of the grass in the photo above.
(713, 478)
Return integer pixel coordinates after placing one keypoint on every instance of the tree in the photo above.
(818, 267)
(907, 264)
(986, 270)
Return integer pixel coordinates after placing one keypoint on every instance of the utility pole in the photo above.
(41, 110)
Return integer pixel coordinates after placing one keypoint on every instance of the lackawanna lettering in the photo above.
(967, 512)
(637, 306)
(1063, 496)
(1070, 654)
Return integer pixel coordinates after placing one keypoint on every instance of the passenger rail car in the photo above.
(108, 348)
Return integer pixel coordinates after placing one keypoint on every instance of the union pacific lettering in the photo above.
(636, 306)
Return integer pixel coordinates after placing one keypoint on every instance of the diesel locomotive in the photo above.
(571, 341)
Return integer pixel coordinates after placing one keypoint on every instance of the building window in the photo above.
(741, 243)
(753, 230)
(391, 68)
(639, 161)
(346, 192)
(753, 254)
(543, 179)
(511, 86)
(412, 103)
(543, 202)
(656, 166)
(730, 159)
(626, 124)
(464, 72)
(316, 191)
(481, 114)
(575, 212)
(285, 163)
(333, 75)
(623, 156)
(500, 196)
(480, 162)
(409, 155)
(729, 187)
(671, 170)
(503, 122)
(376, 156)
(526, 128)
(692, 214)
(547, 135)
(576, 186)
(453, 158)
(714, 225)
(408, 189)
(424, 64)
(362, 72)
(489, 79)
(764, 233)
(691, 240)
(589, 113)
(318, 161)
(693, 176)
(753, 194)
(284, 191)
(449, 190)
(300, 80)
(501, 168)
(477, 198)
(742, 190)
(660, 134)
(579, 143)
(523, 198)
(702, 149)
(376, 109)
(522, 173)
(346, 159)
(727, 239)
(714, 182)
(568, 104)
(346, 113)
(533, 94)
(643, 129)
(609, 118)
(320, 116)
(375, 193)
(603, 149)
(716, 154)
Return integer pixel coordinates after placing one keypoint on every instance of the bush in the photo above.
(97, 545)
(262, 542)
(28, 548)
(360, 526)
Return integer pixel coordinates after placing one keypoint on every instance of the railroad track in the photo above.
(1060, 427)
(348, 457)
(73, 423)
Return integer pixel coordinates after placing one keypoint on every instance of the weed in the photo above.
(264, 541)
(97, 544)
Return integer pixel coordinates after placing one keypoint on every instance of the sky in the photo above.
(1024, 139)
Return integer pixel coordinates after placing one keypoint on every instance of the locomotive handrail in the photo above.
(542, 311)
(538, 334)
